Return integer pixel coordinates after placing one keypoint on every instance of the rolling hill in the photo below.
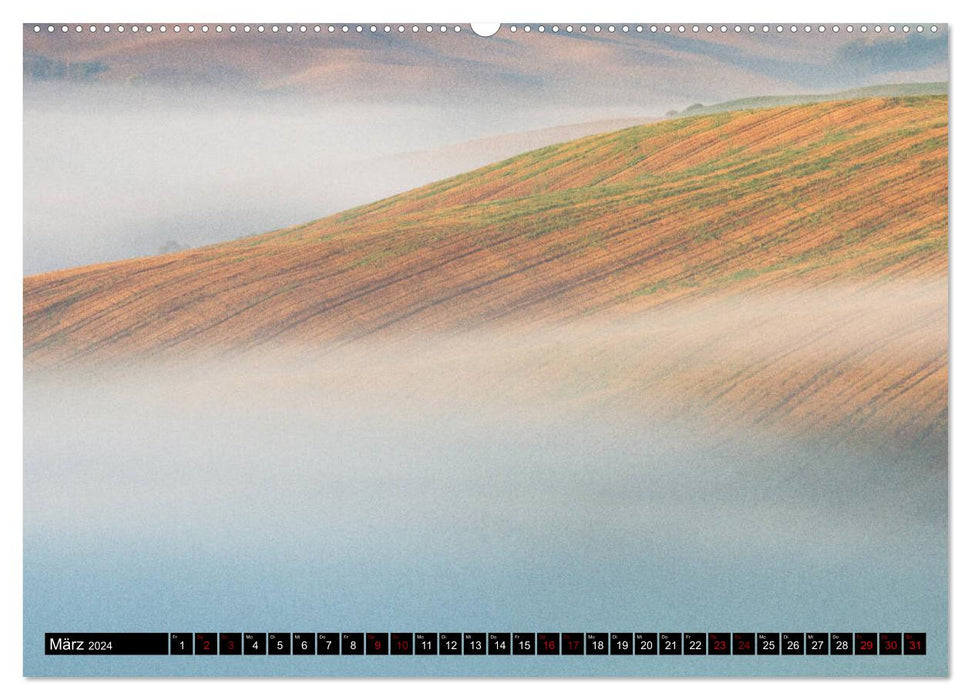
(633, 218)
(694, 220)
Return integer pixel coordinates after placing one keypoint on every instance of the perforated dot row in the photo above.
(248, 28)
(710, 28)
(427, 28)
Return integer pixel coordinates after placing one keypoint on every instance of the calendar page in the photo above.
(552, 349)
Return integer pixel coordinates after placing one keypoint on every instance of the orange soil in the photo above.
(655, 216)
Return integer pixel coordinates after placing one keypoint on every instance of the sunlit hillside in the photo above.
(793, 261)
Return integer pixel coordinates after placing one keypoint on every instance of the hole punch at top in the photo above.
(485, 28)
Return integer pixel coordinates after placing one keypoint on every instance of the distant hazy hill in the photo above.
(898, 90)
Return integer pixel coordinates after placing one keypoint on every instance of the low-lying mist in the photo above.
(111, 173)
(606, 432)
